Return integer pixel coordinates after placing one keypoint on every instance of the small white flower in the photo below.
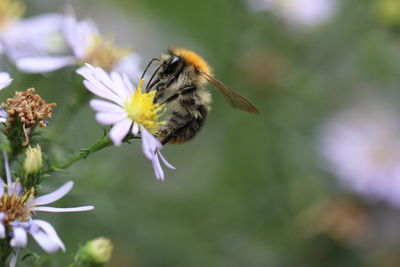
(34, 37)
(18, 208)
(129, 110)
(87, 45)
(297, 12)
(362, 146)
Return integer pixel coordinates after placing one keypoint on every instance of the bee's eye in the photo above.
(172, 65)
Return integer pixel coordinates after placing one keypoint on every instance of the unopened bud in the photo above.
(33, 159)
(96, 252)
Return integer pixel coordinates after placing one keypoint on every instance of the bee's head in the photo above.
(172, 65)
(189, 58)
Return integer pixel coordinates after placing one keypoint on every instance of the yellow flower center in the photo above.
(103, 53)
(16, 207)
(142, 109)
(10, 12)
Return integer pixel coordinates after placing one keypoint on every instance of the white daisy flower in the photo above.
(297, 12)
(18, 208)
(35, 36)
(129, 110)
(87, 45)
(362, 147)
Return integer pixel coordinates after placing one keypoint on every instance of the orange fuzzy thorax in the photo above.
(193, 59)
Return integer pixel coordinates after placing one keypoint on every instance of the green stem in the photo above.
(103, 142)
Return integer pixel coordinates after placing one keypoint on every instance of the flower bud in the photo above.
(96, 252)
(33, 159)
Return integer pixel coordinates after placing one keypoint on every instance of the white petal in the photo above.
(78, 34)
(157, 168)
(169, 165)
(119, 131)
(73, 209)
(150, 144)
(116, 87)
(44, 64)
(2, 184)
(54, 196)
(45, 242)
(14, 258)
(103, 85)
(105, 106)
(2, 231)
(119, 83)
(5, 80)
(135, 128)
(3, 115)
(98, 89)
(35, 36)
(110, 118)
(20, 238)
(131, 66)
(51, 235)
(128, 83)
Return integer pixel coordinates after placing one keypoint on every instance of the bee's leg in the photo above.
(151, 85)
(187, 90)
(169, 99)
(173, 133)
(183, 91)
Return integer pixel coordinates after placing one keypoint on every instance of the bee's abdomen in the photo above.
(184, 125)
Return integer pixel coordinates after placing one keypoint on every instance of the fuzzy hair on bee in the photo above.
(179, 81)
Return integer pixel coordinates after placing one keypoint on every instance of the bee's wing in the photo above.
(234, 99)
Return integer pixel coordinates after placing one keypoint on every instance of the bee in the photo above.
(179, 81)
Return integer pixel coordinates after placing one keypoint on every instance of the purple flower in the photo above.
(129, 110)
(306, 13)
(87, 45)
(34, 37)
(18, 209)
(362, 147)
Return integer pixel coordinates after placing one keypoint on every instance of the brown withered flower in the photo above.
(29, 109)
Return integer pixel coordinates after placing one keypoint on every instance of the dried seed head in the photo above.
(28, 108)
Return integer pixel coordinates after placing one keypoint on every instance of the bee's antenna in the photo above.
(148, 65)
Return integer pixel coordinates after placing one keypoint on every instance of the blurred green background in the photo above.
(244, 187)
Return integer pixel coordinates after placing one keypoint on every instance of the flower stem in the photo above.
(103, 142)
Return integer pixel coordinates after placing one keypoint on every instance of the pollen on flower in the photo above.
(142, 109)
(15, 206)
(103, 53)
(28, 108)
(10, 11)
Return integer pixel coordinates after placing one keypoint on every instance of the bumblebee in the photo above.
(179, 81)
